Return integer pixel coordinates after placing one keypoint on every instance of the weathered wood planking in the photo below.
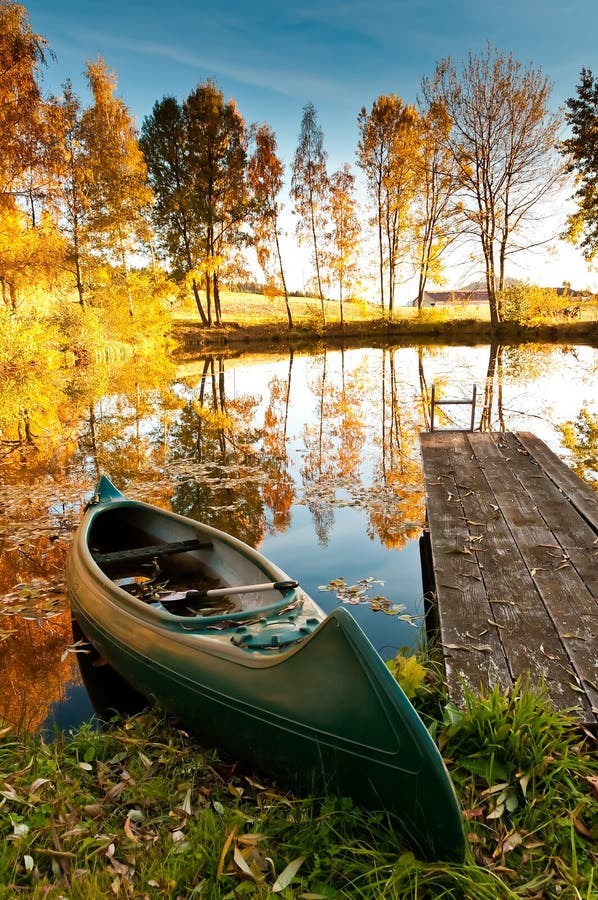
(514, 545)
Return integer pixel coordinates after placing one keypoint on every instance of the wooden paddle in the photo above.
(282, 586)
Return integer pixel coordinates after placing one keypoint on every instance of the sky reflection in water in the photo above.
(316, 462)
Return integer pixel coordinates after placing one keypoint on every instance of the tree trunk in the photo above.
(199, 304)
(282, 278)
(78, 278)
(381, 251)
(424, 266)
(217, 307)
(317, 262)
(490, 279)
(126, 276)
(209, 298)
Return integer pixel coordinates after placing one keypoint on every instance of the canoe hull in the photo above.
(322, 714)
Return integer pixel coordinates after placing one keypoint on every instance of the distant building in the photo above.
(454, 298)
(477, 297)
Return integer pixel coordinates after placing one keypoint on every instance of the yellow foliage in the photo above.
(408, 672)
(530, 304)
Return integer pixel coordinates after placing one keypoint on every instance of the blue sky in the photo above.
(274, 57)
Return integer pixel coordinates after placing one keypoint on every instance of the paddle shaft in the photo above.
(281, 586)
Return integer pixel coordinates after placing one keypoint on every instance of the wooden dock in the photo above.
(514, 551)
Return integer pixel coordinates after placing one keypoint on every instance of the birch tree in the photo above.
(502, 139)
(266, 174)
(386, 154)
(309, 186)
(345, 233)
(435, 206)
(73, 179)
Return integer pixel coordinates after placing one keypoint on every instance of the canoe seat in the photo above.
(143, 554)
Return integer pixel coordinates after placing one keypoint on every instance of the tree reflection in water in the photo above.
(314, 458)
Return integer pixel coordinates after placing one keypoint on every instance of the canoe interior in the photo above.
(158, 558)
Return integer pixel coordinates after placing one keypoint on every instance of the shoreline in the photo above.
(193, 337)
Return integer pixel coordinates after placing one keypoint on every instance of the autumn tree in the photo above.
(265, 172)
(388, 142)
(217, 156)
(345, 233)
(309, 187)
(72, 186)
(163, 141)
(582, 154)
(29, 241)
(22, 55)
(196, 155)
(117, 190)
(502, 139)
(581, 439)
(435, 206)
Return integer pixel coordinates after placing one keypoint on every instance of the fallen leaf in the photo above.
(287, 875)
(241, 863)
(592, 780)
(482, 648)
(510, 842)
(130, 833)
(225, 849)
(581, 829)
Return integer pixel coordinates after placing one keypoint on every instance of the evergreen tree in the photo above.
(582, 151)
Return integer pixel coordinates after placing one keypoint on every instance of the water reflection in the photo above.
(314, 458)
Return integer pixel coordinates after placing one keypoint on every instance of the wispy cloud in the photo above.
(275, 72)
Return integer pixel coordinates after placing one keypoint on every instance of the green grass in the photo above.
(141, 810)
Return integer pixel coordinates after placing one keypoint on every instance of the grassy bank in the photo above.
(142, 810)
(253, 320)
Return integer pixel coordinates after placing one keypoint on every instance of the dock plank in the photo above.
(528, 529)
(458, 577)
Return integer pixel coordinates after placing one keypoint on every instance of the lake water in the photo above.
(312, 458)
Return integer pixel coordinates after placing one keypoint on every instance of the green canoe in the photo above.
(222, 638)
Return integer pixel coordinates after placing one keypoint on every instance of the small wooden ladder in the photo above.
(434, 403)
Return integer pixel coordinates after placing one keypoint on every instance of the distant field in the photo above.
(246, 310)
(255, 309)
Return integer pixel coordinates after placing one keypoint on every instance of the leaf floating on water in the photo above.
(356, 594)
(82, 646)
